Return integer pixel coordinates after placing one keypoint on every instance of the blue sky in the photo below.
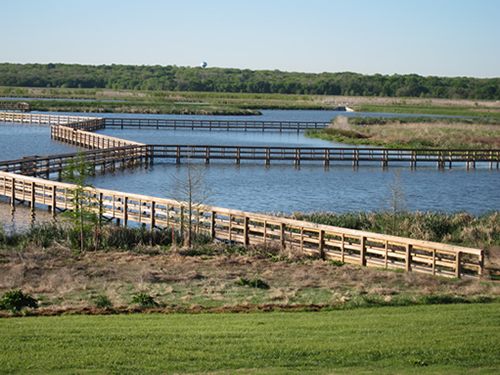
(440, 37)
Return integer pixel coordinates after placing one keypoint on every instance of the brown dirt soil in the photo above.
(65, 283)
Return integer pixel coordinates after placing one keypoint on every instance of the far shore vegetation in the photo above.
(220, 103)
(246, 81)
(413, 132)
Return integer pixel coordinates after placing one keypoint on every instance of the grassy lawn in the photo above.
(459, 338)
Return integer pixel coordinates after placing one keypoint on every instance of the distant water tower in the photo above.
(203, 64)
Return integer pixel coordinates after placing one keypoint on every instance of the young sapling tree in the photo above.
(189, 189)
(86, 211)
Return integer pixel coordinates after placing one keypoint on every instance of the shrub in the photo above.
(443, 300)
(16, 300)
(102, 302)
(255, 283)
(145, 300)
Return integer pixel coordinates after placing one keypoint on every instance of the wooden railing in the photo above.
(326, 242)
(87, 139)
(101, 160)
(327, 155)
(233, 125)
(30, 118)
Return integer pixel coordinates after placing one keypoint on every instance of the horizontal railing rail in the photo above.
(84, 138)
(42, 119)
(323, 241)
(241, 125)
(101, 160)
(327, 155)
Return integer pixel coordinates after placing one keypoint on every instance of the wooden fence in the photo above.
(77, 131)
(326, 242)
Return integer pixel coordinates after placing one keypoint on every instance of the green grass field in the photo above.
(454, 339)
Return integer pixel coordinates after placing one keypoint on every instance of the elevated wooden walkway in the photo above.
(101, 160)
(326, 242)
(78, 131)
(326, 155)
(39, 119)
(213, 125)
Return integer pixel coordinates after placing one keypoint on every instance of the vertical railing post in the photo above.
(481, 264)
(212, 225)
(408, 258)
(152, 215)
(363, 251)
(458, 264)
(282, 235)
(246, 241)
(125, 211)
(32, 202)
(342, 248)
(322, 244)
(54, 202)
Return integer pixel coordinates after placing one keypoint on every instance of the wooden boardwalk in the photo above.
(38, 119)
(323, 241)
(101, 160)
(213, 125)
(326, 242)
(81, 135)
(327, 155)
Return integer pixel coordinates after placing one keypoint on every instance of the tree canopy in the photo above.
(174, 78)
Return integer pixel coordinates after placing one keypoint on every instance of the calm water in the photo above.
(278, 188)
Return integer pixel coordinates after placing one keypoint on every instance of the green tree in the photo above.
(86, 212)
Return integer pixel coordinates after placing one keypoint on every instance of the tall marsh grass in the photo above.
(109, 237)
(416, 132)
(457, 228)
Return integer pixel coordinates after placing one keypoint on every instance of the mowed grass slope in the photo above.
(461, 338)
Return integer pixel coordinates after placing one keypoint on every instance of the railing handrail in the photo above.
(255, 216)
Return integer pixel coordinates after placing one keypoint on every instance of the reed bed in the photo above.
(420, 133)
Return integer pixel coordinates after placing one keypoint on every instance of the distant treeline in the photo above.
(174, 78)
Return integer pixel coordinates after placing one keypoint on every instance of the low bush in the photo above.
(255, 283)
(102, 302)
(16, 300)
(145, 300)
